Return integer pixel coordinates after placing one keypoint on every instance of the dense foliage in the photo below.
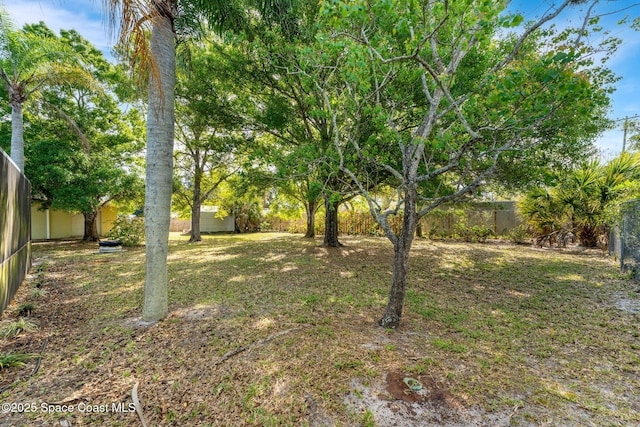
(583, 203)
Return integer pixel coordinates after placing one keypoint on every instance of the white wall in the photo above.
(210, 224)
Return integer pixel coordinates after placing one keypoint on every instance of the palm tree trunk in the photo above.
(17, 132)
(159, 169)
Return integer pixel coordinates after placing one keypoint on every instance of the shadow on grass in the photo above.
(501, 326)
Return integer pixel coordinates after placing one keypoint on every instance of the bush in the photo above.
(437, 233)
(130, 231)
(519, 235)
(12, 329)
(13, 360)
(476, 233)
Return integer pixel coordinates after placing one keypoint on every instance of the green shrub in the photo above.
(437, 233)
(12, 329)
(130, 231)
(476, 233)
(519, 234)
(12, 360)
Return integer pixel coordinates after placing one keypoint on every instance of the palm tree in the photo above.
(157, 56)
(30, 60)
(582, 200)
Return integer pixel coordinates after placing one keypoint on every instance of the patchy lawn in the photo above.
(273, 329)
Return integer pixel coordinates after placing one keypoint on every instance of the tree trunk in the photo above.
(588, 236)
(311, 208)
(419, 231)
(90, 227)
(159, 169)
(195, 223)
(401, 248)
(17, 132)
(331, 222)
(196, 203)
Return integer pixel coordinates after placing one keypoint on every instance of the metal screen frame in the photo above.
(15, 229)
(630, 238)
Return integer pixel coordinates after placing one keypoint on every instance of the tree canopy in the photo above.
(82, 146)
(32, 59)
(458, 99)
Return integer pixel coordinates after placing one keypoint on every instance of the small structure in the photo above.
(210, 222)
(109, 246)
(55, 224)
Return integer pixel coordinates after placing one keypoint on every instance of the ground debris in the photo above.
(251, 346)
(393, 404)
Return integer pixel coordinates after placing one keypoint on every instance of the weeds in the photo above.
(15, 328)
(38, 292)
(501, 326)
(13, 360)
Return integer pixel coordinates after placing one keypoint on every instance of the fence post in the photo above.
(622, 239)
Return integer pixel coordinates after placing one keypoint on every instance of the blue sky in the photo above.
(86, 17)
(625, 63)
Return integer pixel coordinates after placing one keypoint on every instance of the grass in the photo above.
(38, 293)
(13, 360)
(500, 326)
(12, 329)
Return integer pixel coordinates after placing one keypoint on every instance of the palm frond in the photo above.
(6, 27)
(223, 15)
(131, 21)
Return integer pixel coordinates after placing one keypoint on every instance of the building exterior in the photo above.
(54, 224)
(209, 223)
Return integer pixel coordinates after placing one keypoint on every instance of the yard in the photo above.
(272, 329)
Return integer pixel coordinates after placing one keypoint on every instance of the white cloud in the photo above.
(83, 17)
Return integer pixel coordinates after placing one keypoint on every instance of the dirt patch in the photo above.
(200, 312)
(426, 390)
(391, 402)
(624, 303)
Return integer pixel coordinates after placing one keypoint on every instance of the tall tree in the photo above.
(29, 61)
(155, 57)
(210, 141)
(292, 111)
(460, 100)
(66, 177)
(108, 139)
(165, 19)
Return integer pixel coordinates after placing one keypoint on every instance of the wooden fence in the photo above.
(500, 217)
